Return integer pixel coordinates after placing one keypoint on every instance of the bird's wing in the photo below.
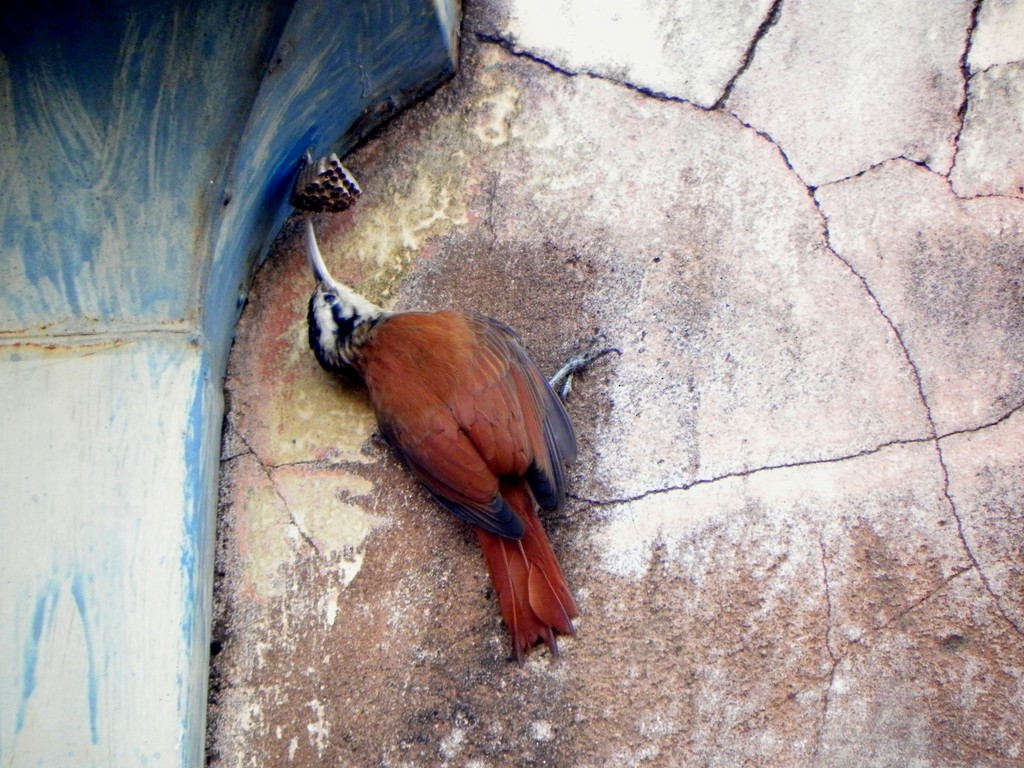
(461, 403)
(445, 460)
(548, 434)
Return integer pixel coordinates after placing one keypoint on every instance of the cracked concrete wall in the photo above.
(794, 527)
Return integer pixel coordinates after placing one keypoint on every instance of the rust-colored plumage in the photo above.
(469, 413)
(465, 408)
(534, 597)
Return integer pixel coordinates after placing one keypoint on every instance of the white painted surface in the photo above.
(684, 50)
(96, 553)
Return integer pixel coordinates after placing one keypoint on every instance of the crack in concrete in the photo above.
(769, 21)
(510, 47)
(606, 502)
(313, 463)
(827, 695)
(827, 234)
(994, 423)
(743, 473)
(946, 177)
(957, 573)
(853, 647)
(934, 436)
(876, 166)
(828, 599)
(268, 471)
(856, 646)
(965, 72)
(778, 148)
(994, 66)
(967, 547)
(772, 18)
(965, 67)
(227, 459)
(826, 701)
(325, 463)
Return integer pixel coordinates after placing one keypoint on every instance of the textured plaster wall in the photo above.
(795, 523)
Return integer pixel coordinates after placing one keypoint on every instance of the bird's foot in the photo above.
(561, 382)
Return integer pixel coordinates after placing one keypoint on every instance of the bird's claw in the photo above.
(561, 382)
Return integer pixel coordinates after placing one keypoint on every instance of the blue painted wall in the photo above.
(147, 154)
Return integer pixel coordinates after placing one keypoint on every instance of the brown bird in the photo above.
(467, 411)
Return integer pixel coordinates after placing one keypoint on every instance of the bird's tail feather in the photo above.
(534, 597)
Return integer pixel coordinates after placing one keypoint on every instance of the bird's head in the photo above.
(339, 321)
(339, 318)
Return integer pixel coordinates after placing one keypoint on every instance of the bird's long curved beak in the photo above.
(313, 255)
(325, 185)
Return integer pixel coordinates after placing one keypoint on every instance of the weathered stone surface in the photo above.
(985, 469)
(794, 526)
(990, 160)
(936, 687)
(842, 87)
(997, 37)
(947, 272)
(767, 585)
(686, 51)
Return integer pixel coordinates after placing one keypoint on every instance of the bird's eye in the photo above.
(330, 297)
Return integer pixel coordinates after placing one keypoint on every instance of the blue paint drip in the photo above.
(41, 617)
(92, 682)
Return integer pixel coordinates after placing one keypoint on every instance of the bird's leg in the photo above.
(561, 382)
